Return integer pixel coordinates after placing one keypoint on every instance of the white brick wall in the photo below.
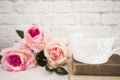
(92, 6)
(117, 6)
(111, 18)
(62, 6)
(87, 18)
(63, 17)
(13, 19)
(6, 7)
(33, 7)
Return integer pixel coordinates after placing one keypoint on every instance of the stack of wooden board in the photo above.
(107, 71)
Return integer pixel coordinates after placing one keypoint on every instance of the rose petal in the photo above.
(56, 53)
(39, 41)
(26, 59)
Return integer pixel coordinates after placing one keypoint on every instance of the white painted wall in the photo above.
(63, 17)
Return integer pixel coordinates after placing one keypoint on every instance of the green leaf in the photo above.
(41, 55)
(41, 62)
(61, 71)
(41, 59)
(20, 33)
(49, 68)
(0, 57)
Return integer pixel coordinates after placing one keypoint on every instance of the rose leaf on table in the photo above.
(49, 68)
(58, 70)
(61, 71)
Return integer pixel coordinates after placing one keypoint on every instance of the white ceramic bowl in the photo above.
(91, 48)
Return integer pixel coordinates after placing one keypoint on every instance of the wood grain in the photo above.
(111, 68)
(72, 76)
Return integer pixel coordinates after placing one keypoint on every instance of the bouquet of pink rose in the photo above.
(34, 48)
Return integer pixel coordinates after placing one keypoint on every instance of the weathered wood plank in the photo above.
(72, 76)
(111, 68)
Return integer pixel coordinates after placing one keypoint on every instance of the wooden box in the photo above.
(107, 71)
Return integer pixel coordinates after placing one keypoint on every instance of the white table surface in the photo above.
(37, 73)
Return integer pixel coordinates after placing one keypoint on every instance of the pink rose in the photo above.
(57, 53)
(22, 45)
(37, 38)
(18, 59)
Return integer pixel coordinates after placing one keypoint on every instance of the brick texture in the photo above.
(63, 17)
(6, 7)
(92, 6)
(62, 6)
(89, 18)
(111, 19)
(33, 7)
(117, 6)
